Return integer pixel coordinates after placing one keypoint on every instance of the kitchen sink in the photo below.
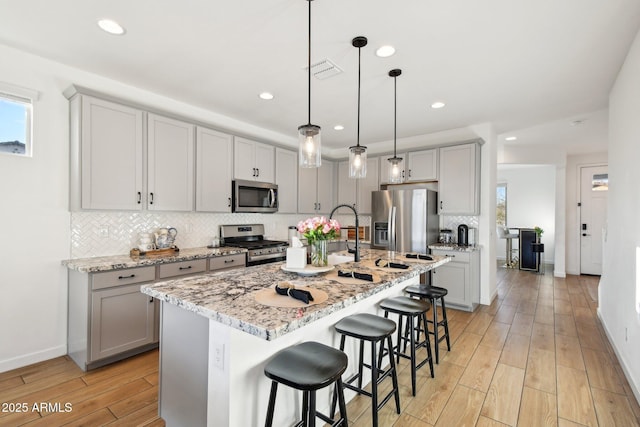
(339, 258)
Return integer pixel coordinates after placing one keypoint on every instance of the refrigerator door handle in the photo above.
(392, 226)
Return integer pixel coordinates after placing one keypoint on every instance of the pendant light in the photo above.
(309, 135)
(358, 153)
(395, 174)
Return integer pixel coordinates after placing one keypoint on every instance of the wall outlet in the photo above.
(188, 228)
(218, 356)
(103, 232)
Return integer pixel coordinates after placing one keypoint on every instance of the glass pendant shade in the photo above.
(395, 163)
(310, 146)
(358, 153)
(309, 135)
(357, 161)
(395, 170)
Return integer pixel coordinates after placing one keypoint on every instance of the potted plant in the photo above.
(539, 232)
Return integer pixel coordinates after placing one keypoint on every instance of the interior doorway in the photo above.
(594, 186)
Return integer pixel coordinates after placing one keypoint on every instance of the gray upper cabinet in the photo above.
(316, 192)
(357, 192)
(214, 173)
(422, 165)
(346, 186)
(171, 153)
(106, 155)
(287, 180)
(367, 185)
(459, 182)
(253, 161)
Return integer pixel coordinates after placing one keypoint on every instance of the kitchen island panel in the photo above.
(238, 391)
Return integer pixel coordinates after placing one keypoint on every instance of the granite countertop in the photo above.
(227, 296)
(116, 262)
(454, 247)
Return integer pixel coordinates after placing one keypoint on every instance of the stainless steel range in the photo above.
(251, 237)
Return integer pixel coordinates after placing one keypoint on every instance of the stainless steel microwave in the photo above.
(254, 196)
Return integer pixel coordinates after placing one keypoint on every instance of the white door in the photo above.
(593, 217)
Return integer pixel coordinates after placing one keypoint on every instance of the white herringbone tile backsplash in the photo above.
(115, 233)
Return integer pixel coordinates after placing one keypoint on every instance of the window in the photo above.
(501, 205)
(600, 182)
(16, 109)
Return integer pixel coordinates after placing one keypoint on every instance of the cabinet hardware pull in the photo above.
(185, 268)
(229, 202)
(139, 197)
(228, 261)
(403, 174)
(257, 171)
(254, 171)
(131, 276)
(440, 204)
(409, 173)
(151, 196)
(150, 300)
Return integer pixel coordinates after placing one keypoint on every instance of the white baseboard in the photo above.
(559, 273)
(634, 387)
(28, 359)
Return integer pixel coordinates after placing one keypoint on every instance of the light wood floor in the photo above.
(537, 356)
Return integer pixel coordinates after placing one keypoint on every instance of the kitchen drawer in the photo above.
(181, 268)
(457, 256)
(125, 276)
(229, 261)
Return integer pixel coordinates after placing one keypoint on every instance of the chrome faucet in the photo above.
(356, 256)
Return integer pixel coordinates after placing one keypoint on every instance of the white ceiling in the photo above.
(530, 67)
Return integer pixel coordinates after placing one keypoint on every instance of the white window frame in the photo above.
(28, 98)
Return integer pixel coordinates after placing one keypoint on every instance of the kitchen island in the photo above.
(215, 338)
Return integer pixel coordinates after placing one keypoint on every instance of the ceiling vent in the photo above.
(324, 69)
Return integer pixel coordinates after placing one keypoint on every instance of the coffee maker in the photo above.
(463, 235)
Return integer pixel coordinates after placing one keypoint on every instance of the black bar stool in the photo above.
(308, 367)
(375, 329)
(410, 308)
(433, 293)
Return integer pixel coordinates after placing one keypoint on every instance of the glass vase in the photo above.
(319, 253)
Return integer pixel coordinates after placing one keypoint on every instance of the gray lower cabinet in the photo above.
(122, 319)
(461, 278)
(109, 319)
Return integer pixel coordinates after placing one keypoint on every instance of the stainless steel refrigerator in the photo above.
(404, 220)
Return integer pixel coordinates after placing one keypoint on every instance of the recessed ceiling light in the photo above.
(578, 122)
(266, 95)
(385, 51)
(437, 105)
(338, 127)
(111, 27)
(511, 138)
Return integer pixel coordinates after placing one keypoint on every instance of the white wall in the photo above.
(620, 284)
(572, 213)
(531, 194)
